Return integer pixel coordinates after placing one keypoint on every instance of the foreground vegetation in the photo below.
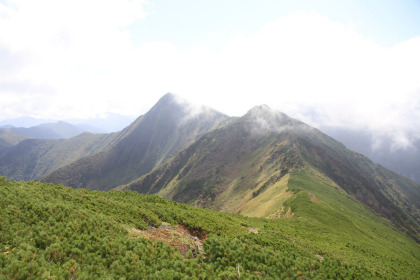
(53, 232)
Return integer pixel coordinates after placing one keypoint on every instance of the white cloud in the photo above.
(304, 64)
(68, 46)
(305, 61)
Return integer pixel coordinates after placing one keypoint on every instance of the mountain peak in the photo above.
(179, 109)
(168, 103)
(167, 99)
(173, 100)
(262, 111)
(169, 96)
(262, 107)
(262, 119)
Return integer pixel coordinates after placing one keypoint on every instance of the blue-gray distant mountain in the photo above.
(58, 130)
(25, 122)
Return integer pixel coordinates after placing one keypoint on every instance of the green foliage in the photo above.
(33, 158)
(261, 262)
(53, 232)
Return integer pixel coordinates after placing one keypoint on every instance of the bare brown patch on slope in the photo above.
(177, 237)
(313, 198)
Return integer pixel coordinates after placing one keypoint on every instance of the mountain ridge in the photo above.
(232, 166)
(169, 126)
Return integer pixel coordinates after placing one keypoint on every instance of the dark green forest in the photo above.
(53, 232)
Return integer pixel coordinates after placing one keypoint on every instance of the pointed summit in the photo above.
(168, 101)
(167, 128)
(169, 97)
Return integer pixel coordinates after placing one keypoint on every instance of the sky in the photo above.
(353, 63)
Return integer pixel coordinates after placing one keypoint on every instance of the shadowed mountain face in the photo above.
(170, 126)
(255, 164)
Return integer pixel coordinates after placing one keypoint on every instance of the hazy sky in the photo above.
(345, 63)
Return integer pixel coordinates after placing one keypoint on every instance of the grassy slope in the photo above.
(352, 226)
(53, 231)
(388, 194)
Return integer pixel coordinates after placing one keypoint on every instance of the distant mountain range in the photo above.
(107, 123)
(25, 122)
(58, 130)
(258, 165)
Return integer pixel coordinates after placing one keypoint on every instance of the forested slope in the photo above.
(54, 232)
(32, 158)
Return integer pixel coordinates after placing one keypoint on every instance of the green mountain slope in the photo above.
(8, 139)
(54, 232)
(170, 126)
(33, 158)
(247, 168)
